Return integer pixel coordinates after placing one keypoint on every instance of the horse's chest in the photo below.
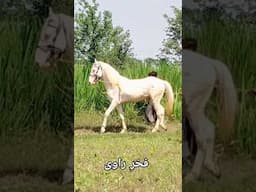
(112, 93)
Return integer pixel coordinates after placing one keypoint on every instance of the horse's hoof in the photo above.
(102, 130)
(214, 169)
(164, 127)
(154, 130)
(67, 181)
(123, 131)
(217, 172)
(68, 177)
(187, 161)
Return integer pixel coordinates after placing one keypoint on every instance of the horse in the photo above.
(122, 90)
(56, 43)
(201, 75)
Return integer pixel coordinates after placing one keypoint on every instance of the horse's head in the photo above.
(96, 72)
(52, 41)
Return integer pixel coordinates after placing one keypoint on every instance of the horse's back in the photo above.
(199, 79)
(197, 65)
(198, 73)
(147, 82)
(139, 89)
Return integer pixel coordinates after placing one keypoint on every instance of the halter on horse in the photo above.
(45, 47)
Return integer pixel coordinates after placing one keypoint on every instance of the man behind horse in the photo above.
(151, 116)
(188, 136)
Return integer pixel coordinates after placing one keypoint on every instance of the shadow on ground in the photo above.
(114, 129)
(136, 128)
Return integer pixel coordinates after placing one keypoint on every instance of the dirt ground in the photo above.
(238, 173)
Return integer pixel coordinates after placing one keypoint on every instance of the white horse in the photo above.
(121, 90)
(57, 44)
(56, 40)
(200, 76)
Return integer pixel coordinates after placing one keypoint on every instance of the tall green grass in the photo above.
(30, 99)
(94, 98)
(235, 45)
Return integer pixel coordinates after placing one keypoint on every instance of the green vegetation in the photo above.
(36, 111)
(18, 9)
(31, 99)
(172, 48)
(95, 36)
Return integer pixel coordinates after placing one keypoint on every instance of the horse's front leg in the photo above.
(112, 106)
(121, 114)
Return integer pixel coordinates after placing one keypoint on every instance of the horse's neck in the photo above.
(69, 30)
(111, 77)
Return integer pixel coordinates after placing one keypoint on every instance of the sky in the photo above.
(144, 19)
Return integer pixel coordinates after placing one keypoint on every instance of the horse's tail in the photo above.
(228, 100)
(170, 97)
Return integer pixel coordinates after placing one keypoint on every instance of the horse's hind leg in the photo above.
(162, 120)
(209, 160)
(198, 128)
(121, 114)
(107, 113)
(155, 99)
(160, 115)
(204, 133)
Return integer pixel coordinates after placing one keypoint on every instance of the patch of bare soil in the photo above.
(172, 126)
(236, 171)
(50, 175)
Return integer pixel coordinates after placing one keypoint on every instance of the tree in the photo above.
(19, 8)
(96, 37)
(172, 44)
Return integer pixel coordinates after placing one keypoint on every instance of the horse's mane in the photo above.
(112, 74)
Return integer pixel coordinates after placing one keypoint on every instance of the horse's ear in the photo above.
(95, 60)
(50, 11)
